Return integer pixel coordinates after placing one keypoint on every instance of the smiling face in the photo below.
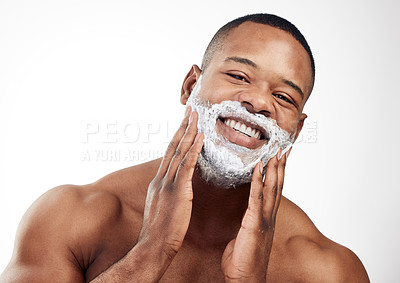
(263, 69)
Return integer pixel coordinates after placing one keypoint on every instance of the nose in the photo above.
(258, 101)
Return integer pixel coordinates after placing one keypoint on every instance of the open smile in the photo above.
(242, 132)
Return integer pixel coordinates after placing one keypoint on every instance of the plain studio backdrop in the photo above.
(90, 87)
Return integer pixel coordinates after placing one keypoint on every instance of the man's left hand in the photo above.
(246, 257)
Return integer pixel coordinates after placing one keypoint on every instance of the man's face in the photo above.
(250, 101)
(263, 68)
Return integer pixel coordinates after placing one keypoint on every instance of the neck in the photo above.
(216, 212)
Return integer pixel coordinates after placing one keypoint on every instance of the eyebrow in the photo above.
(294, 86)
(242, 61)
(254, 65)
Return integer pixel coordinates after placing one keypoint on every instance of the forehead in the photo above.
(275, 51)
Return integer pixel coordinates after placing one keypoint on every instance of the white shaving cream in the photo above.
(223, 163)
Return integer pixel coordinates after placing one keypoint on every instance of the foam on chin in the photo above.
(225, 164)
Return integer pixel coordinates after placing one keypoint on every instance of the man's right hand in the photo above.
(167, 210)
(169, 196)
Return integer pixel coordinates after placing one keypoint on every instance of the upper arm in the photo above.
(52, 241)
(331, 263)
(343, 265)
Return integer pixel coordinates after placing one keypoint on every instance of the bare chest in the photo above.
(199, 265)
(195, 265)
(204, 265)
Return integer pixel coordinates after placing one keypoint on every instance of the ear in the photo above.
(189, 83)
(300, 124)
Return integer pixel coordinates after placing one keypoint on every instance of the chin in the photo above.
(222, 177)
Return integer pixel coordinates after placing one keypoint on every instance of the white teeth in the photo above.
(247, 131)
(237, 126)
(243, 128)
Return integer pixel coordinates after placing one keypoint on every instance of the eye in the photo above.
(237, 77)
(282, 97)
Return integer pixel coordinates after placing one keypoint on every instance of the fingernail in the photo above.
(280, 154)
(260, 167)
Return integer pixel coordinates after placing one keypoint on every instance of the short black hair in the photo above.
(266, 19)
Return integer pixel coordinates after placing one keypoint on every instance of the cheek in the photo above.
(215, 94)
(288, 121)
(215, 89)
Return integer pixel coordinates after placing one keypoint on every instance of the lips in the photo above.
(241, 132)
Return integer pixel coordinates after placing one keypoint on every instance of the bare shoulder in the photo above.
(131, 183)
(67, 228)
(47, 236)
(314, 257)
(68, 211)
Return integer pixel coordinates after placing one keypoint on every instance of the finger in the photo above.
(184, 145)
(288, 152)
(256, 187)
(270, 186)
(281, 177)
(174, 143)
(188, 164)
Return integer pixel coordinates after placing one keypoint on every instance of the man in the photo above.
(208, 210)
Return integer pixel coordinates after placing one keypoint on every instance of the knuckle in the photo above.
(183, 126)
(274, 190)
(192, 130)
(187, 163)
(182, 164)
(167, 187)
(155, 184)
(166, 190)
(158, 183)
(191, 157)
(264, 224)
(178, 152)
(267, 223)
(171, 145)
(185, 143)
(171, 249)
(157, 179)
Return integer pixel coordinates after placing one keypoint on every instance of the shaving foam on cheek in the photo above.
(225, 164)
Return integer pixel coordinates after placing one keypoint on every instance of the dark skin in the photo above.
(159, 221)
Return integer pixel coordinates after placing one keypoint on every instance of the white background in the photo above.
(68, 67)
